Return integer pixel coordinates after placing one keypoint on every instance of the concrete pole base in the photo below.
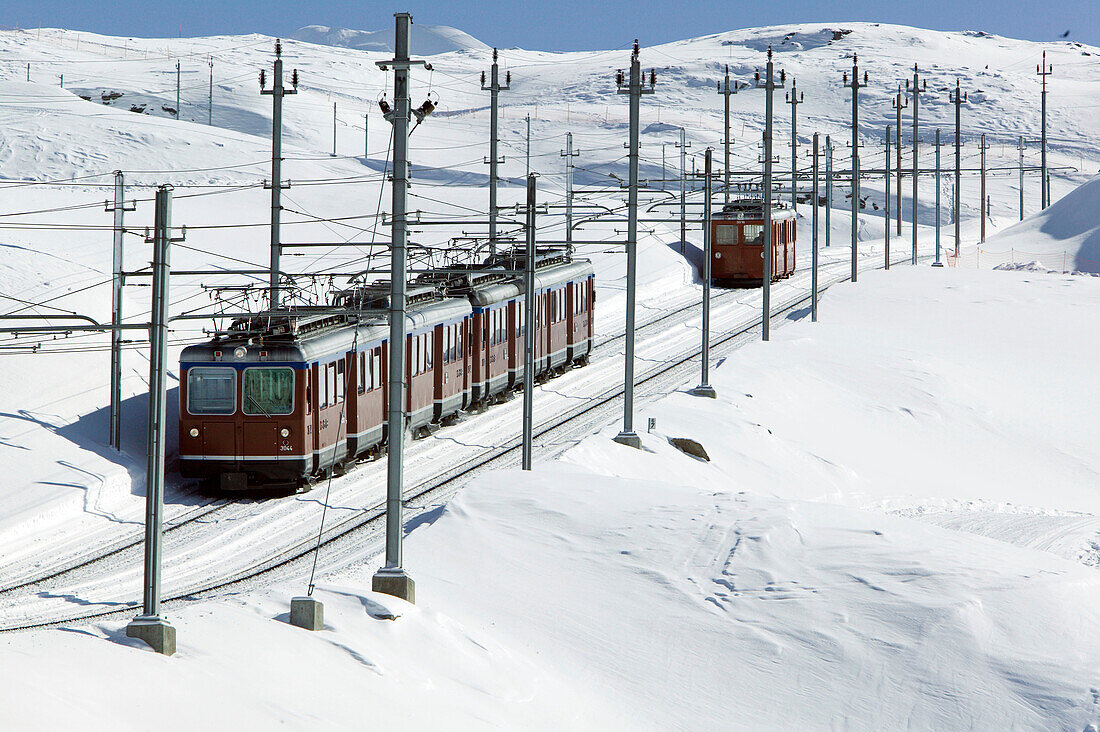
(393, 581)
(629, 439)
(937, 264)
(305, 612)
(157, 633)
(704, 390)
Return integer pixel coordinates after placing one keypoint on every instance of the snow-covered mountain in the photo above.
(427, 39)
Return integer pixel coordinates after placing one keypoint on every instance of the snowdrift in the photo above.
(1070, 225)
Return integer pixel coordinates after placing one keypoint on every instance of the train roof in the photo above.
(751, 209)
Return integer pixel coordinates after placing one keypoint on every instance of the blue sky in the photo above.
(554, 24)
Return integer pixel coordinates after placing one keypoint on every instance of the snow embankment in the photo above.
(426, 39)
(1065, 235)
(762, 589)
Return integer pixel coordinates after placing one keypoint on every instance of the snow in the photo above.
(651, 590)
(910, 487)
(1071, 224)
(427, 39)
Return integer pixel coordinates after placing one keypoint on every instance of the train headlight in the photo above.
(284, 432)
(194, 432)
(718, 255)
(239, 352)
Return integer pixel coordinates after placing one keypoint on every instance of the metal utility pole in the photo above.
(725, 89)
(149, 626)
(635, 89)
(813, 264)
(769, 85)
(177, 89)
(982, 198)
(276, 92)
(684, 145)
(210, 98)
(1044, 71)
(886, 229)
(916, 145)
(118, 208)
(828, 190)
(900, 102)
(855, 85)
(937, 263)
(528, 172)
(705, 389)
(794, 99)
(392, 579)
(958, 97)
(568, 153)
(528, 330)
(1021, 146)
(333, 153)
(494, 89)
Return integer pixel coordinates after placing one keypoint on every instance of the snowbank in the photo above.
(1070, 225)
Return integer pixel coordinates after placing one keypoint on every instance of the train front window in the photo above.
(211, 390)
(725, 235)
(754, 234)
(268, 390)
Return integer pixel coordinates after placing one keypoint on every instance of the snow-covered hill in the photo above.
(427, 39)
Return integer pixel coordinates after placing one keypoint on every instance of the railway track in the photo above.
(53, 593)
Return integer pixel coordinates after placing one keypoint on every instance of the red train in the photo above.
(285, 398)
(737, 243)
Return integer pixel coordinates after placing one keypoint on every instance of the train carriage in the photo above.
(282, 398)
(737, 243)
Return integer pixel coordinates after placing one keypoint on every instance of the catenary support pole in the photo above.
(1044, 71)
(705, 389)
(794, 99)
(828, 190)
(684, 145)
(916, 146)
(276, 92)
(157, 632)
(1021, 146)
(886, 228)
(958, 98)
(938, 263)
(900, 103)
(528, 149)
(391, 578)
(333, 153)
(366, 136)
(813, 264)
(177, 89)
(528, 331)
(119, 207)
(725, 90)
(494, 88)
(768, 250)
(982, 197)
(569, 154)
(635, 89)
(210, 98)
(855, 85)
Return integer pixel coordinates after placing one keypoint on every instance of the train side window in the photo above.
(309, 390)
(376, 375)
(429, 351)
(341, 381)
(362, 385)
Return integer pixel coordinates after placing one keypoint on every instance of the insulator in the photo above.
(865, 79)
(278, 47)
(263, 79)
(384, 106)
(802, 96)
(756, 76)
(483, 78)
(619, 77)
(652, 77)
(845, 78)
(507, 78)
(294, 78)
(783, 76)
(906, 85)
(494, 55)
(635, 52)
